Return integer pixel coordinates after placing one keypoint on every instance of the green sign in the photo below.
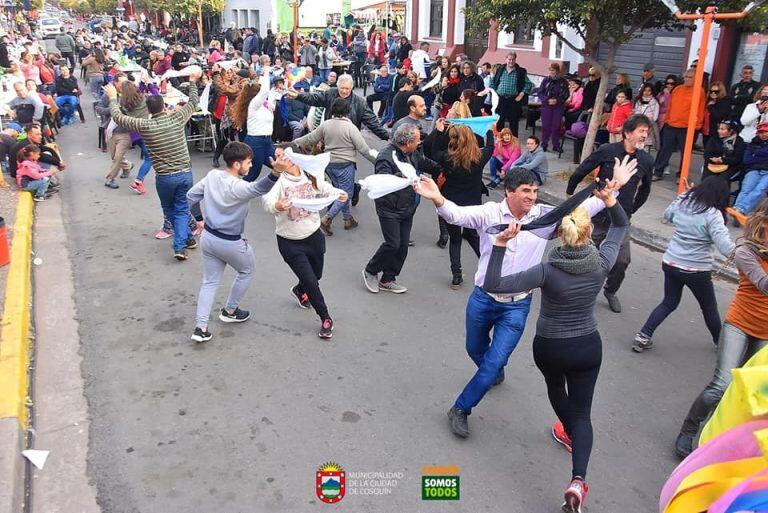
(440, 488)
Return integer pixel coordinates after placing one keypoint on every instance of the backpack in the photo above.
(579, 130)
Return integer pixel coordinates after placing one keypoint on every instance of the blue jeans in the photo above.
(96, 83)
(496, 166)
(342, 178)
(490, 355)
(262, 148)
(172, 191)
(67, 103)
(146, 165)
(37, 187)
(324, 74)
(753, 189)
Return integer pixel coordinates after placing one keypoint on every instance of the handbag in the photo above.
(717, 168)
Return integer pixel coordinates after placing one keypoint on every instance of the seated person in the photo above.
(755, 183)
(26, 107)
(68, 97)
(724, 151)
(534, 159)
(48, 156)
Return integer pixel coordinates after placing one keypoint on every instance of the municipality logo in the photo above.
(440, 483)
(330, 482)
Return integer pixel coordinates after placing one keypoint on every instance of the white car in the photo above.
(50, 27)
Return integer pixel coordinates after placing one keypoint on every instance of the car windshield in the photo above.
(50, 21)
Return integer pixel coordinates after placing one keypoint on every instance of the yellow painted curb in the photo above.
(14, 342)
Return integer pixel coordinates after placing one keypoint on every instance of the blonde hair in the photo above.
(756, 226)
(459, 110)
(576, 227)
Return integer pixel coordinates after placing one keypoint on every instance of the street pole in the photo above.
(200, 22)
(709, 16)
(295, 30)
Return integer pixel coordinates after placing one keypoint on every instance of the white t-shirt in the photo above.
(418, 59)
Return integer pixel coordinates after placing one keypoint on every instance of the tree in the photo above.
(608, 22)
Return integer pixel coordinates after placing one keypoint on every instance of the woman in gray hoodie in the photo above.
(699, 227)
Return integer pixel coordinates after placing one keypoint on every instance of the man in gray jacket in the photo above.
(65, 44)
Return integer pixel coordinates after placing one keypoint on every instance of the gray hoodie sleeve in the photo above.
(719, 233)
(748, 264)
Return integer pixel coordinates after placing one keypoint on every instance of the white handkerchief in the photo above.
(432, 83)
(406, 168)
(494, 100)
(381, 185)
(315, 204)
(185, 72)
(313, 164)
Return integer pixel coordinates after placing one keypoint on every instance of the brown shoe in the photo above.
(350, 224)
(325, 226)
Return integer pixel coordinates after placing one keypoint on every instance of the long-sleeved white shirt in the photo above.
(261, 110)
(296, 223)
(524, 251)
(750, 118)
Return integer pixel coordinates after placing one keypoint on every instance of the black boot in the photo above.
(443, 240)
(458, 279)
(216, 162)
(356, 194)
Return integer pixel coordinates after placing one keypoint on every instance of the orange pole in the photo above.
(708, 16)
(295, 29)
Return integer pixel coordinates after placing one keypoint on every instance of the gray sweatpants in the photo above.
(217, 254)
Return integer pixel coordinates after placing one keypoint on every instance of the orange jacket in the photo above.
(619, 114)
(680, 107)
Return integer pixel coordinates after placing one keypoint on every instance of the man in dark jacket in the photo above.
(382, 90)
(5, 61)
(631, 196)
(743, 92)
(296, 116)
(755, 183)
(359, 113)
(395, 211)
(48, 156)
(590, 90)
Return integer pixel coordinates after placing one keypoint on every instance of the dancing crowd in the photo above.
(295, 111)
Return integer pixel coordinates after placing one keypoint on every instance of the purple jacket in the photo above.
(556, 88)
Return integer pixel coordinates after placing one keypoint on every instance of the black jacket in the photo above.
(719, 111)
(590, 94)
(178, 58)
(359, 113)
(465, 186)
(4, 60)
(66, 86)
(634, 193)
(522, 73)
(732, 156)
(400, 105)
(400, 204)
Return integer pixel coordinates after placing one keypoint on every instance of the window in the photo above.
(435, 18)
(524, 35)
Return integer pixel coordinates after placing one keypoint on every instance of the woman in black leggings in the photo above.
(567, 347)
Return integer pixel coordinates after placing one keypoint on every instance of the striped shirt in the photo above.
(163, 134)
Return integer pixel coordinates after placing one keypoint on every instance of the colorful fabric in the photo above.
(479, 125)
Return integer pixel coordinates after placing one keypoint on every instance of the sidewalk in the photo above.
(647, 226)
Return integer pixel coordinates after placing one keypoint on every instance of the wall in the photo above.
(247, 13)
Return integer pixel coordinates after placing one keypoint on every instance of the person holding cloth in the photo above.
(632, 195)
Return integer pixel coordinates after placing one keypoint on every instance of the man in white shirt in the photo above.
(419, 60)
(503, 314)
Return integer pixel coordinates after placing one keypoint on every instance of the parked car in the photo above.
(50, 27)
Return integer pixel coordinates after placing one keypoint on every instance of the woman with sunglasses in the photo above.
(718, 109)
(663, 97)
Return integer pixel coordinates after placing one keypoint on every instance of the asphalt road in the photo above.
(242, 423)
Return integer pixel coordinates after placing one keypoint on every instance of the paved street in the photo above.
(242, 423)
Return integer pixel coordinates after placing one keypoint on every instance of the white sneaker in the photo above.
(392, 286)
(371, 281)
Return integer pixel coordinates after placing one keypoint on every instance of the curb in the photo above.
(14, 359)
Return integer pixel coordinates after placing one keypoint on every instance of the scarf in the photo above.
(575, 260)
(542, 226)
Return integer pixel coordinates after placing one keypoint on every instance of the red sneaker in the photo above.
(575, 495)
(561, 437)
(138, 187)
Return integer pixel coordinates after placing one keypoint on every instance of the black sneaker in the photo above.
(683, 446)
(459, 423)
(326, 329)
(458, 279)
(301, 297)
(356, 194)
(236, 316)
(201, 336)
(442, 242)
(180, 255)
(191, 243)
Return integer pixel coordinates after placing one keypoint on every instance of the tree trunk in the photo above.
(597, 109)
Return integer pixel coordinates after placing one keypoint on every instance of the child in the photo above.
(29, 175)
(299, 239)
(620, 112)
(723, 153)
(505, 152)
